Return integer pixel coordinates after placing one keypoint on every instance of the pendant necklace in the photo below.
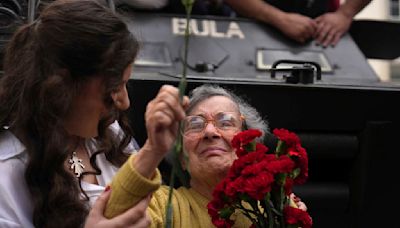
(76, 165)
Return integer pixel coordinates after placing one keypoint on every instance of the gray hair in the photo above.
(253, 118)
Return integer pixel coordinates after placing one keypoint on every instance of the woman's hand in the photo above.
(162, 117)
(135, 217)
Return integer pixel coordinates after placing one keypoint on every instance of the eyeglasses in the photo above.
(224, 122)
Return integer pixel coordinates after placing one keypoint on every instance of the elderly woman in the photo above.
(214, 116)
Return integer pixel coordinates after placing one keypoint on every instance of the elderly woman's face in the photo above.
(208, 145)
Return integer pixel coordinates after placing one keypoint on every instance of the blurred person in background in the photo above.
(323, 20)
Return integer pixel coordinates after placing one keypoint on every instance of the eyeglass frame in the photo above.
(213, 121)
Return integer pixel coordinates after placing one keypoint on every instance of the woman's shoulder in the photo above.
(13, 157)
(10, 147)
(15, 202)
(119, 134)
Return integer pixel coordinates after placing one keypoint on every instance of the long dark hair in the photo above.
(45, 64)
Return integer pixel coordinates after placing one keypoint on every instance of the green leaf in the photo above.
(225, 198)
(295, 173)
(281, 178)
(280, 148)
(245, 197)
(226, 212)
(250, 147)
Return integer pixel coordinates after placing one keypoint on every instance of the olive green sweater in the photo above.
(189, 207)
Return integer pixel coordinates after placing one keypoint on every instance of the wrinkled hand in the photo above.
(136, 217)
(300, 204)
(298, 27)
(162, 117)
(331, 27)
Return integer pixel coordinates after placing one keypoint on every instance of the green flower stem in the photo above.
(177, 150)
(282, 202)
(183, 82)
(264, 205)
(256, 208)
(268, 210)
(169, 211)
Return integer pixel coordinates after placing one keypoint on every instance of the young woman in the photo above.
(63, 134)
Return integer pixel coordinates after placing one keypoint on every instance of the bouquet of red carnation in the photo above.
(260, 182)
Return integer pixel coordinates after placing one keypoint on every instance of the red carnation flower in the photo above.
(213, 207)
(218, 193)
(297, 216)
(240, 152)
(261, 148)
(245, 137)
(257, 186)
(258, 181)
(282, 164)
(290, 139)
(231, 189)
(239, 164)
(221, 223)
(300, 157)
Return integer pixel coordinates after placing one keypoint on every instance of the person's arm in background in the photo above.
(140, 4)
(295, 26)
(331, 26)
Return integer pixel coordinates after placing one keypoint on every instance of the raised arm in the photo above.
(162, 119)
(295, 26)
(332, 26)
(139, 177)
